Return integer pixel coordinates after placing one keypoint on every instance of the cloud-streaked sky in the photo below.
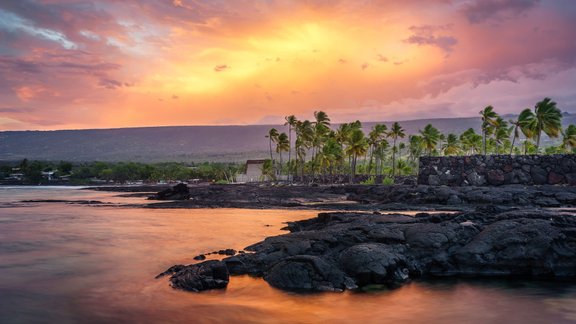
(116, 63)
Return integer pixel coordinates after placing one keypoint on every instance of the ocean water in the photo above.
(70, 263)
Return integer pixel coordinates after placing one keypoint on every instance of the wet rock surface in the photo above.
(348, 250)
(178, 192)
(374, 197)
(338, 251)
(212, 274)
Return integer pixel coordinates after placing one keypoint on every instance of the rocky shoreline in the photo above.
(340, 251)
(362, 197)
(503, 231)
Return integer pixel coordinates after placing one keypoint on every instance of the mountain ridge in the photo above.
(176, 143)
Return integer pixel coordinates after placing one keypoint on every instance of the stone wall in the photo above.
(495, 170)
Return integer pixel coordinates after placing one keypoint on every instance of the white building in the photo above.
(254, 172)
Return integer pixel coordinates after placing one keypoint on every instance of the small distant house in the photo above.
(254, 172)
(16, 176)
(49, 175)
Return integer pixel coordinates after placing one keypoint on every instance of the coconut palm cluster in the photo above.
(321, 151)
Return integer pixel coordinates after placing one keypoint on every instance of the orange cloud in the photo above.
(114, 64)
(29, 93)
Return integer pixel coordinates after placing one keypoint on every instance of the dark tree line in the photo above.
(121, 172)
(320, 151)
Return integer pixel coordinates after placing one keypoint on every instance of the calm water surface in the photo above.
(66, 263)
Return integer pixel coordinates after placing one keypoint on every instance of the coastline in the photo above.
(352, 197)
(506, 231)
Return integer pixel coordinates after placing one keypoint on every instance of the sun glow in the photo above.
(116, 63)
(290, 53)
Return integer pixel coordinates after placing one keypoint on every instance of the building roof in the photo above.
(255, 162)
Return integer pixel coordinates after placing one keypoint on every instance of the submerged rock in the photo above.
(207, 275)
(200, 257)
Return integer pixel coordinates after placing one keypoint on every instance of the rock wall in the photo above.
(495, 170)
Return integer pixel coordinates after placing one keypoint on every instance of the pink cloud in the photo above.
(68, 55)
(480, 11)
(33, 92)
(429, 35)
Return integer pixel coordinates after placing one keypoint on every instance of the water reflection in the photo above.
(70, 263)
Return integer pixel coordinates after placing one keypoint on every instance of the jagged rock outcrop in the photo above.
(400, 197)
(178, 192)
(212, 274)
(338, 251)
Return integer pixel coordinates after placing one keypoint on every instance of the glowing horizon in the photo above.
(108, 64)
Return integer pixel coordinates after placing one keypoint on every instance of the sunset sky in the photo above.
(68, 64)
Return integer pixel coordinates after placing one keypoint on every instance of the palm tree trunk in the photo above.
(270, 142)
(353, 169)
(526, 146)
(371, 158)
(484, 140)
(513, 140)
(280, 166)
(394, 158)
(289, 149)
(538, 142)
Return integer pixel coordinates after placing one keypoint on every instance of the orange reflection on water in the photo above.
(69, 263)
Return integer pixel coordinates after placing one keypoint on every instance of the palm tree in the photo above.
(357, 147)
(471, 142)
(395, 131)
(530, 147)
(272, 137)
(549, 120)
(430, 137)
(282, 145)
(488, 117)
(554, 149)
(452, 145)
(441, 140)
(569, 138)
(401, 147)
(300, 151)
(331, 155)
(321, 129)
(321, 118)
(501, 132)
(342, 135)
(403, 168)
(527, 123)
(356, 124)
(415, 146)
(516, 125)
(380, 152)
(268, 171)
(291, 121)
(375, 136)
(304, 138)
